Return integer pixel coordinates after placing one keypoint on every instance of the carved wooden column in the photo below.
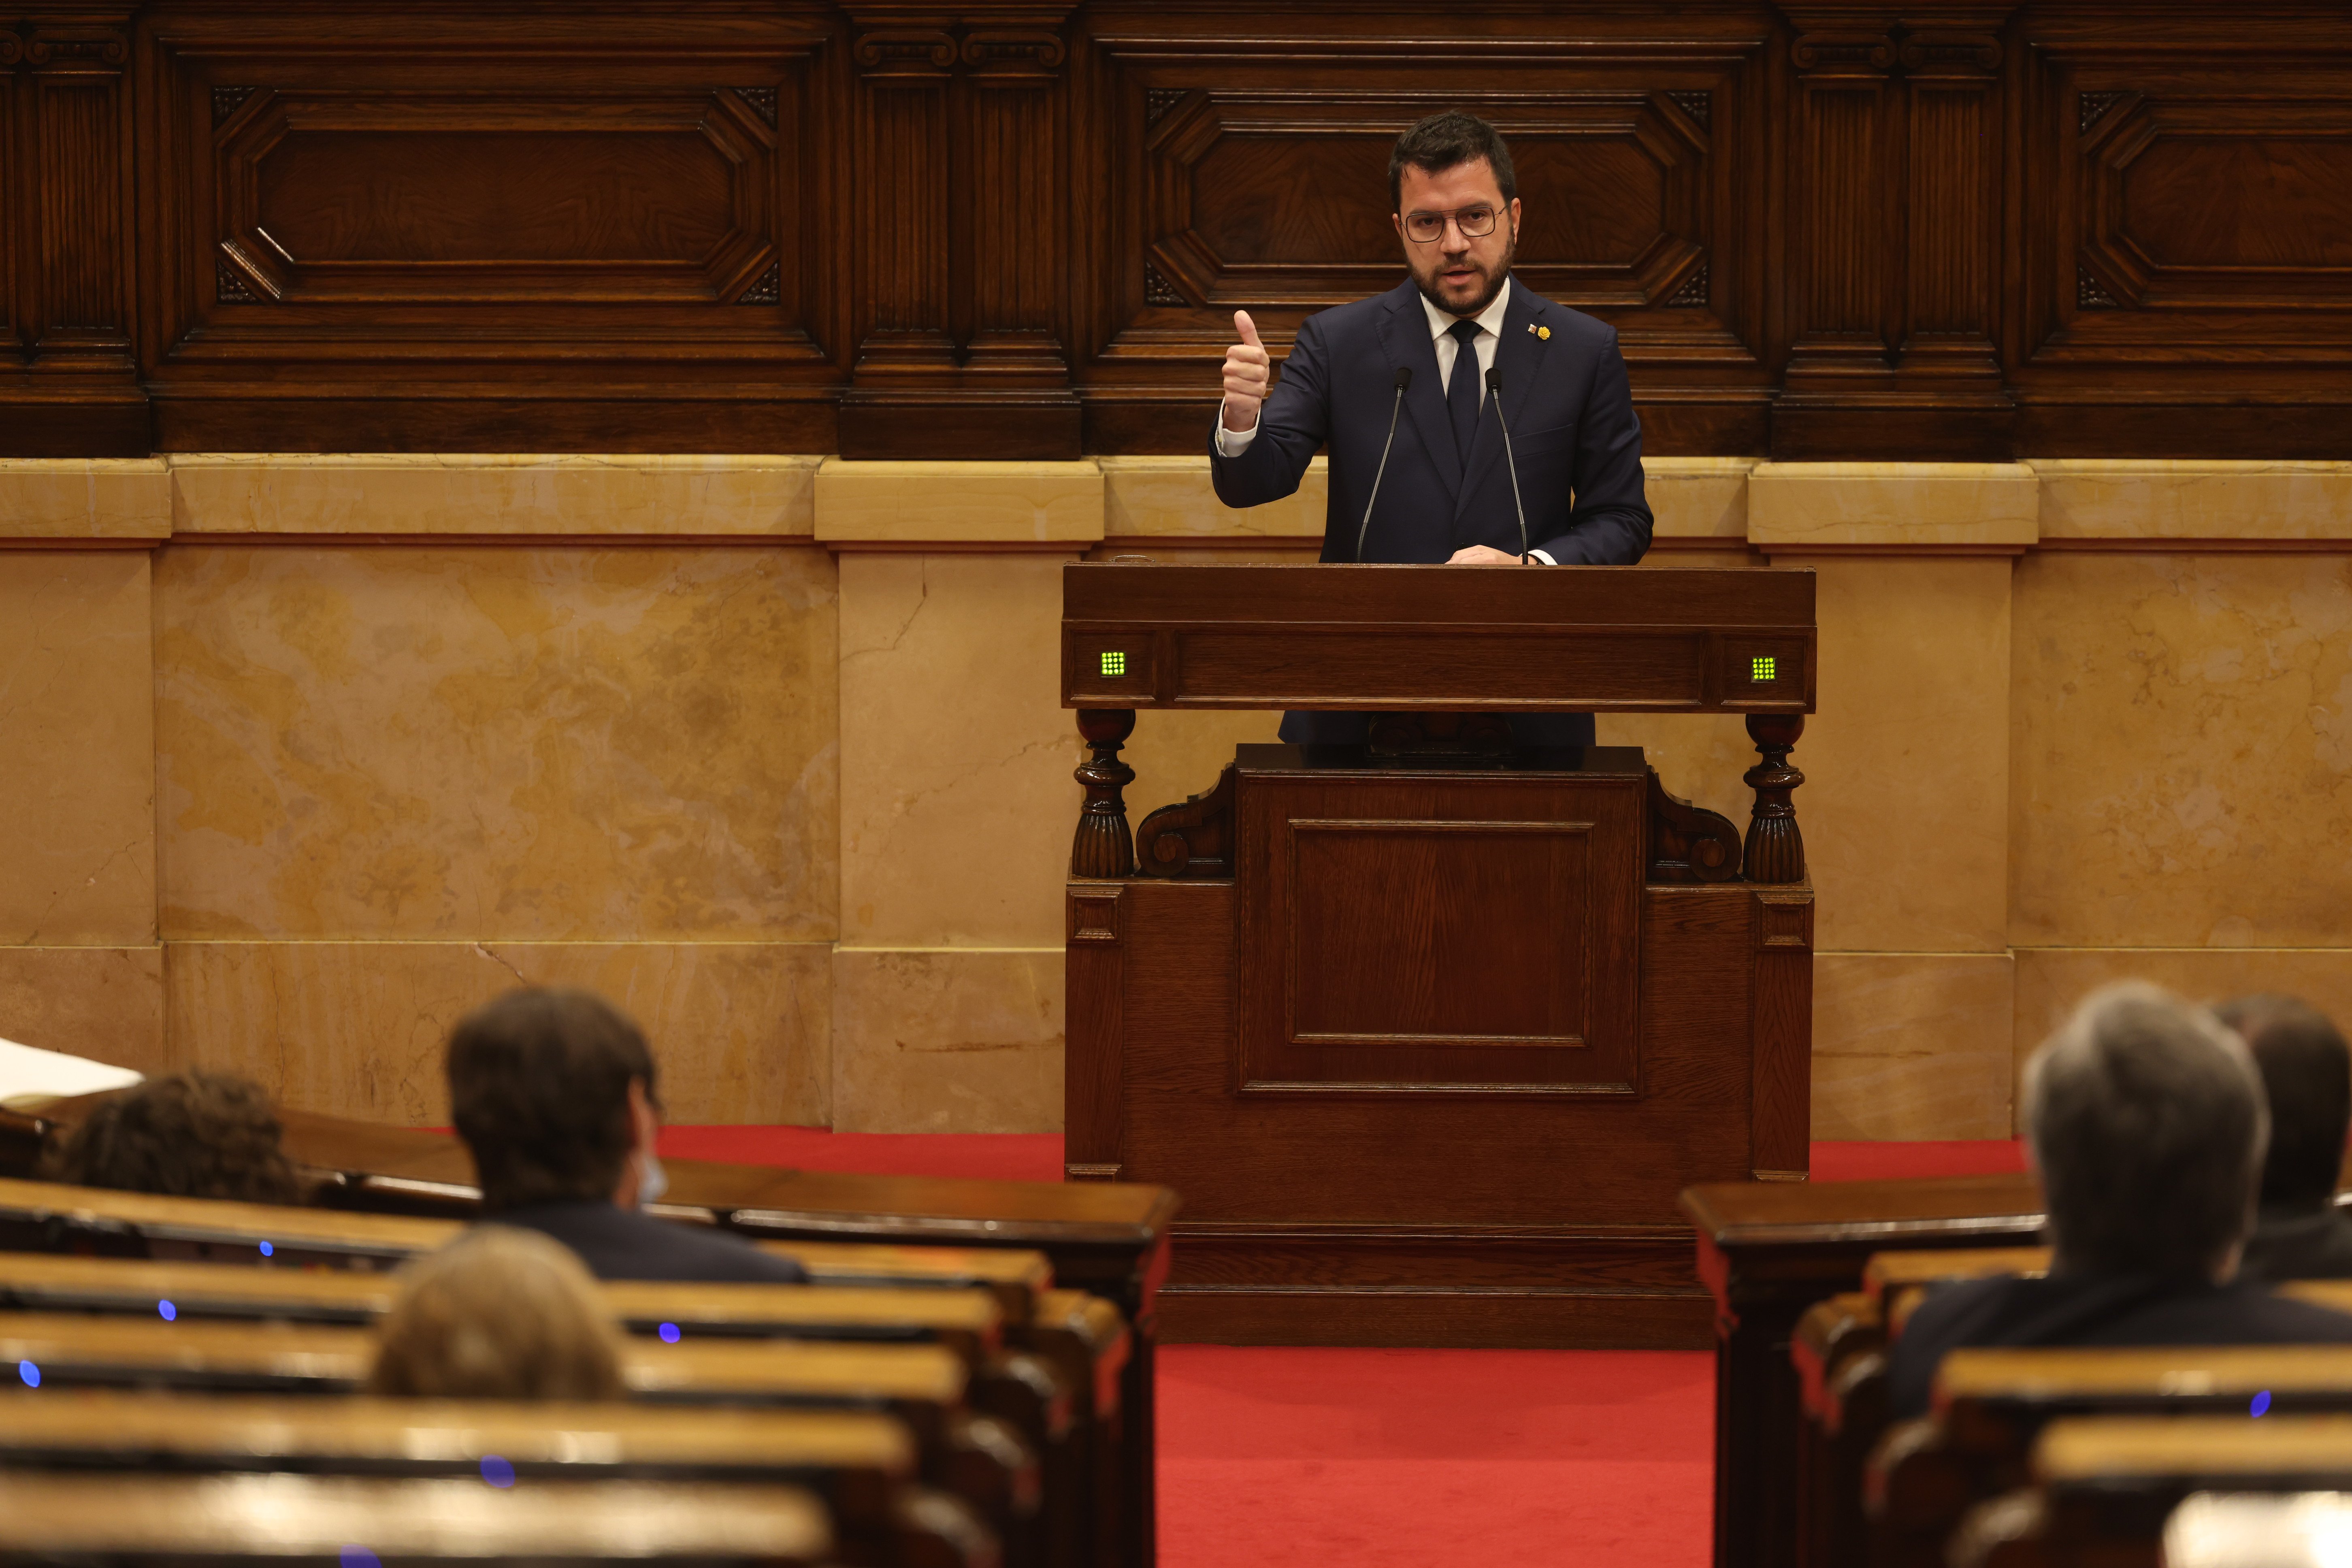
(1775, 850)
(1105, 847)
(962, 244)
(68, 371)
(1895, 154)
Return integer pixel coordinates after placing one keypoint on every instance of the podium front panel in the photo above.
(1406, 934)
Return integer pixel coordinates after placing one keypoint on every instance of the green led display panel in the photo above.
(1760, 668)
(1114, 664)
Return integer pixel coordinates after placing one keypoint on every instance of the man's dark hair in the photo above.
(539, 1088)
(2147, 1125)
(1442, 141)
(2307, 1078)
(189, 1135)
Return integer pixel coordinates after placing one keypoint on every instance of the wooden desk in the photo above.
(272, 1519)
(1430, 1033)
(1769, 1251)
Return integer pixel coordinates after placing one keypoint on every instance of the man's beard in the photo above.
(1494, 285)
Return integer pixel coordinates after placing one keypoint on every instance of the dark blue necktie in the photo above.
(1462, 390)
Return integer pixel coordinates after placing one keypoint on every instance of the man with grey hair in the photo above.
(2147, 1124)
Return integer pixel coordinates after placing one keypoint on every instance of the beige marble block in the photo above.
(103, 1002)
(947, 1040)
(127, 499)
(1912, 505)
(1907, 761)
(959, 503)
(76, 749)
(1912, 1045)
(1697, 498)
(497, 742)
(2139, 498)
(495, 493)
(957, 803)
(358, 1028)
(2052, 982)
(2183, 751)
(1151, 498)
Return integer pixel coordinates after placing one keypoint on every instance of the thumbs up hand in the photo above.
(1246, 373)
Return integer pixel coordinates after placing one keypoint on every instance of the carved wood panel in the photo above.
(66, 379)
(1252, 173)
(2185, 281)
(485, 228)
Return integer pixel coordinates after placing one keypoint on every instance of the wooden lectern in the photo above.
(1430, 1033)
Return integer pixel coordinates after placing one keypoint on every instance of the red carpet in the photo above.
(1037, 1156)
(1434, 1459)
(1313, 1459)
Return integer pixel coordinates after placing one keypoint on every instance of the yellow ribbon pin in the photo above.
(1543, 332)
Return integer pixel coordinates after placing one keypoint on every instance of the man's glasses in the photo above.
(1428, 228)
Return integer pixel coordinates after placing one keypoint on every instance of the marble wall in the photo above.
(326, 750)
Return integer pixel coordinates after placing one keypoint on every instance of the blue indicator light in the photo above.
(267, 1250)
(497, 1471)
(2262, 1406)
(360, 1557)
(169, 1313)
(30, 1372)
(669, 1333)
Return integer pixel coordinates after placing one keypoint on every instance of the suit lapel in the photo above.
(1405, 338)
(1519, 355)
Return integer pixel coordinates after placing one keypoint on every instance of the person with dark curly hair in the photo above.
(187, 1135)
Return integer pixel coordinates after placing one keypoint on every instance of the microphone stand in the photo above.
(1404, 380)
(1495, 391)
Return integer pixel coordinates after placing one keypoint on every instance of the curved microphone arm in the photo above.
(1404, 380)
(1494, 391)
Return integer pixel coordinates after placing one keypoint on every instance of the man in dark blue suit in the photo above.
(1445, 489)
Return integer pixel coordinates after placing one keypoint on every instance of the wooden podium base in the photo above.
(1429, 1050)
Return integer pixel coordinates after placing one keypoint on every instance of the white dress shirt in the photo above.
(1234, 443)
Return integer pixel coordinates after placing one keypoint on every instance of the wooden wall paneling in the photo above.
(1253, 174)
(1895, 155)
(962, 236)
(65, 192)
(487, 231)
(1781, 1026)
(2185, 234)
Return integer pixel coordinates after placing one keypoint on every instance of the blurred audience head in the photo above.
(2307, 1079)
(2146, 1121)
(499, 1313)
(187, 1135)
(554, 1091)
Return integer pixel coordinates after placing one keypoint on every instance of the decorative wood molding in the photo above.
(916, 53)
(768, 290)
(1688, 842)
(234, 289)
(67, 45)
(1843, 54)
(1158, 290)
(996, 54)
(762, 101)
(1158, 101)
(1699, 106)
(227, 100)
(2090, 108)
(1694, 290)
(2089, 295)
(1191, 841)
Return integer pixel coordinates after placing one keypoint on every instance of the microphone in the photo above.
(1404, 380)
(1494, 394)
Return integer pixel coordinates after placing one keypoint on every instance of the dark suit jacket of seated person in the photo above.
(1446, 488)
(555, 1092)
(2299, 1232)
(2145, 1120)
